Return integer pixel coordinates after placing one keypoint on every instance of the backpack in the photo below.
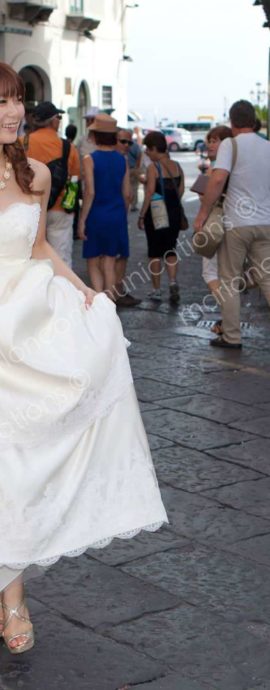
(59, 172)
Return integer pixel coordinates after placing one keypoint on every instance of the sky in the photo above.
(194, 57)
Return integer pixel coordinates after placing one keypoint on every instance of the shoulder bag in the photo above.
(206, 241)
(158, 206)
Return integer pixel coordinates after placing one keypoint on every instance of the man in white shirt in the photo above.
(246, 217)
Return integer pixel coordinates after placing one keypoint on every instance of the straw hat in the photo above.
(104, 123)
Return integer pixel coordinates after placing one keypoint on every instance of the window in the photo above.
(107, 96)
(76, 6)
(68, 88)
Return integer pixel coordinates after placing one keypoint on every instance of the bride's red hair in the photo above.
(11, 85)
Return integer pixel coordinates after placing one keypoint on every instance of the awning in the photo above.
(133, 116)
(266, 6)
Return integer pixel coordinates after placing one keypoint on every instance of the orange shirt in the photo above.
(45, 145)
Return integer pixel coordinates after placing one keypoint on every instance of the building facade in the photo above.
(72, 52)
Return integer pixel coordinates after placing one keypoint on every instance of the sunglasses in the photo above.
(59, 117)
(126, 141)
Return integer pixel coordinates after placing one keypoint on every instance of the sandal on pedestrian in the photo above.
(155, 295)
(217, 327)
(28, 635)
(220, 342)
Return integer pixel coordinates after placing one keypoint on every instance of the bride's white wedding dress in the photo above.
(75, 466)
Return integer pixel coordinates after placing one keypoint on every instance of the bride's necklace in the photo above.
(6, 174)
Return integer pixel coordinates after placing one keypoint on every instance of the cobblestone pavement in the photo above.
(187, 608)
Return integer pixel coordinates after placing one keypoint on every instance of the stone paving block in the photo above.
(178, 375)
(139, 349)
(151, 336)
(158, 442)
(150, 391)
(146, 406)
(144, 368)
(196, 517)
(92, 593)
(215, 408)
(265, 407)
(201, 645)
(167, 358)
(191, 360)
(222, 582)
(144, 544)
(251, 497)
(175, 681)
(143, 321)
(256, 548)
(192, 470)
(68, 656)
(254, 454)
(258, 425)
(238, 386)
(191, 431)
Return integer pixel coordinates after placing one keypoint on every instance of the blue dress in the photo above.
(106, 223)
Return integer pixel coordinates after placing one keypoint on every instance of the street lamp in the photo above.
(258, 95)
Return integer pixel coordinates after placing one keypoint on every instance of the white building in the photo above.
(71, 52)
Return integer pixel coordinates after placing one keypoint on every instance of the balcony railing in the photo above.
(31, 11)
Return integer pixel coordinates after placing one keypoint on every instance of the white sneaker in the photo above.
(155, 295)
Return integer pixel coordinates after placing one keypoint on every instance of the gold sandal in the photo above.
(28, 635)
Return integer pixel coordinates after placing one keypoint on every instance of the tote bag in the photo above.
(158, 206)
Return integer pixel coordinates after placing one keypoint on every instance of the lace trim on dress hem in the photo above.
(78, 552)
(92, 405)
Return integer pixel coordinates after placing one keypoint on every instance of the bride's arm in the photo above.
(41, 248)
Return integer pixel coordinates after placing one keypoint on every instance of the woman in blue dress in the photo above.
(103, 219)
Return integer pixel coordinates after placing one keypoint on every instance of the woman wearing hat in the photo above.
(103, 219)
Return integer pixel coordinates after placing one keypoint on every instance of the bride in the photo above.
(75, 466)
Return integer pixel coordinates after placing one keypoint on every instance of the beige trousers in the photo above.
(252, 241)
(60, 234)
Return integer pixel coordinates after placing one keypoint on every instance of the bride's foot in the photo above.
(17, 630)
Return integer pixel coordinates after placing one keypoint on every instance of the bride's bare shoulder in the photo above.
(41, 171)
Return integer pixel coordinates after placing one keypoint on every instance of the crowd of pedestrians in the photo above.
(112, 161)
(78, 464)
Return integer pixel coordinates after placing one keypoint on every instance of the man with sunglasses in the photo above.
(124, 141)
(45, 145)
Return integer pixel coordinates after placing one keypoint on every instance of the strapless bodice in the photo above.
(18, 230)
